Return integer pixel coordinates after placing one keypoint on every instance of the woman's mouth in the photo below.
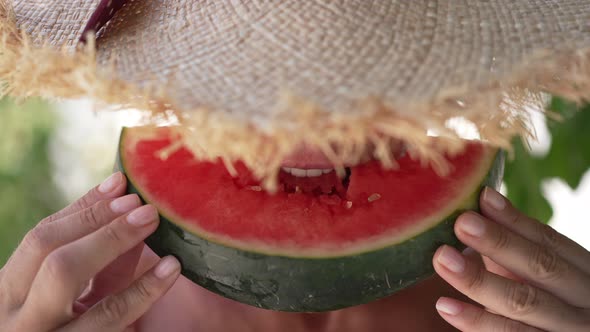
(318, 182)
(310, 161)
(306, 173)
(308, 170)
(307, 161)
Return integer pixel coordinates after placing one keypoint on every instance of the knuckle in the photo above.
(111, 234)
(545, 264)
(89, 199)
(501, 240)
(143, 290)
(475, 283)
(522, 299)
(56, 266)
(516, 217)
(92, 216)
(49, 219)
(113, 309)
(478, 320)
(83, 202)
(549, 236)
(36, 240)
(509, 325)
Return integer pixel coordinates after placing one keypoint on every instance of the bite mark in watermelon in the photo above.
(298, 251)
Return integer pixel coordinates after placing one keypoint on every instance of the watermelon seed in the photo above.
(348, 204)
(256, 188)
(373, 198)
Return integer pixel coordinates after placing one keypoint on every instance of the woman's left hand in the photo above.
(532, 278)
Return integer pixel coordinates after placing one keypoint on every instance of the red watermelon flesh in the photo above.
(378, 208)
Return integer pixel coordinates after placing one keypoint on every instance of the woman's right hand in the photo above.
(45, 284)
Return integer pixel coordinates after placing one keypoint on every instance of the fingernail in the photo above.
(494, 199)
(472, 225)
(125, 204)
(143, 216)
(167, 266)
(451, 259)
(448, 306)
(110, 183)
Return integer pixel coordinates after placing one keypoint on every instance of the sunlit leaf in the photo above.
(523, 177)
(568, 158)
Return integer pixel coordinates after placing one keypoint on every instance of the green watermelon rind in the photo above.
(299, 284)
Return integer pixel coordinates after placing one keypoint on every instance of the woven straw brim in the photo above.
(250, 80)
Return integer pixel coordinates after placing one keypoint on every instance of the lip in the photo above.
(307, 157)
(310, 157)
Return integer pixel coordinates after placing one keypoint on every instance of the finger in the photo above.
(471, 254)
(12, 290)
(62, 275)
(116, 277)
(498, 269)
(114, 186)
(47, 237)
(147, 260)
(467, 317)
(474, 257)
(539, 265)
(117, 312)
(497, 208)
(508, 298)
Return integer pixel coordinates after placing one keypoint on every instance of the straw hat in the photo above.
(252, 79)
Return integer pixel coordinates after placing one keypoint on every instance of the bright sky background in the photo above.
(84, 149)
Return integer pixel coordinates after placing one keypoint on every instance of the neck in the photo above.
(410, 310)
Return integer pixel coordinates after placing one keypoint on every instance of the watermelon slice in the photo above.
(350, 242)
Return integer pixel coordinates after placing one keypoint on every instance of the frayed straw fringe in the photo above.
(499, 110)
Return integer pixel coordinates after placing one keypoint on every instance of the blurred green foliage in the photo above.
(27, 192)
(568, 158)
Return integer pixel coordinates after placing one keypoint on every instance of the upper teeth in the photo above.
(299, 172)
